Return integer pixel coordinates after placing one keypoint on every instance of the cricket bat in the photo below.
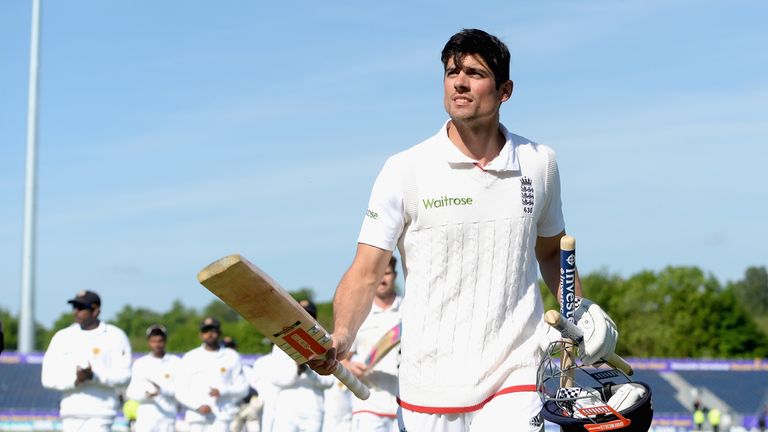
(567, 303)
(264, 303)
(387, 342)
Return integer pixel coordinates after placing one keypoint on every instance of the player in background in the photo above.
(337, 408)
(153, 385)
(378, 413)
(259, 379)
(211, 382)
(475, 212)
(87, 362)
(298, 403)
(248, 416)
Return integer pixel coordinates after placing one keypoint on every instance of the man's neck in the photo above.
(159, 354)
(481, 141)
(90, 326)
(211, 347)
(385, 302)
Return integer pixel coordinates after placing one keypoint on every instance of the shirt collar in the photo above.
(395, 306)
(505, 161)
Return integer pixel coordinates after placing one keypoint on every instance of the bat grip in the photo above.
(353, 384)
(571, 331)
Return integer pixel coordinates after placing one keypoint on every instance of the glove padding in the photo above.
(600, 333)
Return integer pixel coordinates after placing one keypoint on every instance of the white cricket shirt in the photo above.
(148, 371)
(107, 350)
(202, 370)
(466, 236)
(382, 380)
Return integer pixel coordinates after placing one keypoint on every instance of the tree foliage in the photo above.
(752, 291)
(11, 332)
(677, 312)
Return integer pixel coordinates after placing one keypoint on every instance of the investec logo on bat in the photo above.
(305, 342)
(446, 201)
(568, 284)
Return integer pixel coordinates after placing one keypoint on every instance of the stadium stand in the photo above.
(22, 393)
(664, 401)
(745, 391)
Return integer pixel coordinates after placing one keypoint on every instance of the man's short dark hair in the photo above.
(393, 263)
(477, 42)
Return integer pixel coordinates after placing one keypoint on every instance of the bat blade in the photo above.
(264, 303)
(390, 340)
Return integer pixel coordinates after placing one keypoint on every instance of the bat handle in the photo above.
(353, 384)
(571, 331)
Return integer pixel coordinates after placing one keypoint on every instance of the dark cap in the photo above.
(309, 307)
(157, 330)
(86, 298)
(210, 323)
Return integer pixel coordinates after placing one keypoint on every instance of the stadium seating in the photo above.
(745, 390)
(22, 393)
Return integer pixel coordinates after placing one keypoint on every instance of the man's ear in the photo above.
(506, 90)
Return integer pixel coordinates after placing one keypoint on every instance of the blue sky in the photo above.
(173, 133)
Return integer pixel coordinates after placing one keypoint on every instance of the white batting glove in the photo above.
(600, 333)
(546, 335)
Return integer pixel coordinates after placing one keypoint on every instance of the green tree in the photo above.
(752, 291)
(249, 340)
(183, 326)
(221, 311)
(679, 312)
(134, 322)
(11, 332)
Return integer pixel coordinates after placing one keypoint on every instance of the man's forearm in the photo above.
(550, 272)
(352, 302)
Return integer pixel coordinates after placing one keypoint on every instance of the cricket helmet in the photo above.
(599, 397)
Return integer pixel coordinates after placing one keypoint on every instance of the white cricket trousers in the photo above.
(154, 422)
(298, 424)
(91, 424)
(517, 412)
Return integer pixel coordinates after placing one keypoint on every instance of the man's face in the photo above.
(85, 315)
(157, 345)
(470, 91)
(210, 337)
(387, 286)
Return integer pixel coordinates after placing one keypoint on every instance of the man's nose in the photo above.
(461, 82)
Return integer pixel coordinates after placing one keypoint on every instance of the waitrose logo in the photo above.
(446, 201)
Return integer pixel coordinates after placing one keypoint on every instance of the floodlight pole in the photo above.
(27, 309)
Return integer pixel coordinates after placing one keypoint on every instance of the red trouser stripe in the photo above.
(459, 410)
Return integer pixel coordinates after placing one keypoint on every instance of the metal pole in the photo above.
(26, 314)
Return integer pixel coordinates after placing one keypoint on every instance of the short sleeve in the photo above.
(551, 221)
(385, 217)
